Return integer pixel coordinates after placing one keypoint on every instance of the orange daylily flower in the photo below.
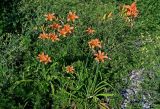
(53, 37)
(131, 10)
(94, 43)
(100, 56)
(55, 26)
(72, 16)
(43, 36)
(90, 30)
(68, 28)
(62, 32)
(44, 58)
(50, 17)
(70, 69)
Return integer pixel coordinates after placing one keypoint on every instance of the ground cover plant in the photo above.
(79, 54)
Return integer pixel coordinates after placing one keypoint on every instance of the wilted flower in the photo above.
(110, 15)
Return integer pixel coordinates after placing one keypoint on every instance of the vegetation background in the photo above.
(25, 83)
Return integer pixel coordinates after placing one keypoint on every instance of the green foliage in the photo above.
(27, 83)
